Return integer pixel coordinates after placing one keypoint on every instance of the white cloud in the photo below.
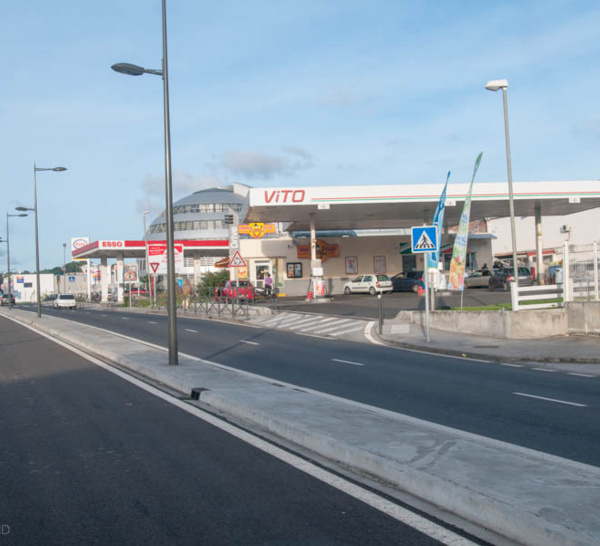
(252, 164)
(184, 183)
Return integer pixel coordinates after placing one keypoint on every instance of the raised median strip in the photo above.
(524, 495)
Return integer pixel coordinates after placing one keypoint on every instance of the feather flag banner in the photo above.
(438, 220)
(456, 281)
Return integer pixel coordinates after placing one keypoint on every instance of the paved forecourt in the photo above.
(524, 495)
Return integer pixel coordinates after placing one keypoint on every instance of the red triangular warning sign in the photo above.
(237, 260)
(154, 266)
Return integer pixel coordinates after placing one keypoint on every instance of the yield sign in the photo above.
(154, 266)
(237, 260)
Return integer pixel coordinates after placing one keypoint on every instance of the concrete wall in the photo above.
(533, 324)
(584, 317)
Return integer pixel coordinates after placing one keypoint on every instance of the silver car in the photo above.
(479, 279)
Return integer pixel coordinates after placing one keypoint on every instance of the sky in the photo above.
(276, 93)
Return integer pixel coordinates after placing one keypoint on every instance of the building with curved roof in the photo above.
(201, 215)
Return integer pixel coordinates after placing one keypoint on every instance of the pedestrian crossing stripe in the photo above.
(424, 243)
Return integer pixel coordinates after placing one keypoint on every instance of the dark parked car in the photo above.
(5, 299)
(503, 277)
(408, 282)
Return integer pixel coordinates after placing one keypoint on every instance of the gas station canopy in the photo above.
(402, 206)
(137, 249)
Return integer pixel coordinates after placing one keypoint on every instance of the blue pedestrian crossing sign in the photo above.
(424, 239)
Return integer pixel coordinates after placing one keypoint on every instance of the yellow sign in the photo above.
(324, 251)
(256, 231)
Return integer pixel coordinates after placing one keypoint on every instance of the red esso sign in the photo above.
(112, 244)
(79, 243)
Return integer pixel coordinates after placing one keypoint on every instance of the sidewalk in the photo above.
(584, 350)
(527, 496)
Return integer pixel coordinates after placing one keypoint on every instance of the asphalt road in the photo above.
(365, 306)
(88, 458)
(554, 413)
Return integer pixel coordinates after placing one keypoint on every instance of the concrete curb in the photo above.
(442, 466)
(481, 356)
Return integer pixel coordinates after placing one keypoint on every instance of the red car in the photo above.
(235, 290)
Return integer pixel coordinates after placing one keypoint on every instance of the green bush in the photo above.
(211, 280)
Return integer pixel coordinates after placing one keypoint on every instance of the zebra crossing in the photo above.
(312, 324)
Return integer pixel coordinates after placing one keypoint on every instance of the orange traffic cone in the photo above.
(420, 291)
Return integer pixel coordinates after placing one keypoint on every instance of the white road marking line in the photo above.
(103, 315)
(551, 400)
(346, 331)
(544, 370)
(341, 324)
(445, 536)
(302, 323)
(581, 374)
(511, 365)
(152, 322)
(193, 331)
(347, 362)
(286, 317)
(249, 342)
(124, 318)
(318, 325)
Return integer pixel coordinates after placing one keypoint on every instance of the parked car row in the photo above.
(499, 278)
(411, 281)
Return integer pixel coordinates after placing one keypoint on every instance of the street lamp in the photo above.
(134, 70)
(37, 240)
(495, 85)
(8, 254)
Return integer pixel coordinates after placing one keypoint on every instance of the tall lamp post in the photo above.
(495, 85)
(37, 239)
(134, 70)
(8, 254)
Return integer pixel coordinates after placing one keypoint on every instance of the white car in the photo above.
(63, 301)
(371, 284)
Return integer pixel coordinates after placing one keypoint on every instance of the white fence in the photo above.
(579, 275)
(549, 292)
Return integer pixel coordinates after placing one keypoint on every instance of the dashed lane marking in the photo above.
(193, 331)
(347, 362)
(544, 370)
(580, 374)
(249, 342)
(511, 365)
(551, 400)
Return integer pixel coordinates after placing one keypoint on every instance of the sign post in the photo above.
(424, 240)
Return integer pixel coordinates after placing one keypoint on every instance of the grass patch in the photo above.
(506, 306)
